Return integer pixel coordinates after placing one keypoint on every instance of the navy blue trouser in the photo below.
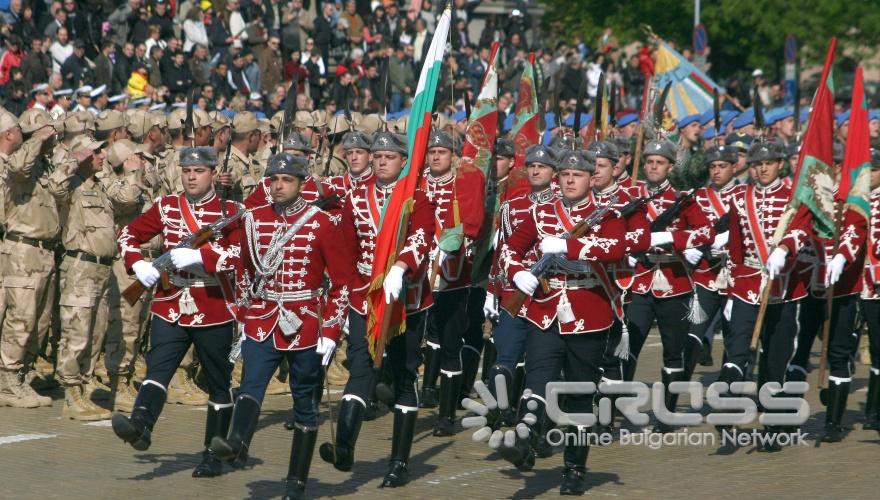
(169, 343)
(261, 359)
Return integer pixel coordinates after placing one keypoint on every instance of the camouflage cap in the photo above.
(176, 119)
(7, 120)
(110, 119)
(35, 119)
(120, 151)
(369, 124)
(244, 122)
(505, 147)
(218, 120)
(319, 118)
(604, 149)
(286, 163)
(540, 153)
(84, 141)
(160, 118)
(303, 119)
(399, 125)
(263, 125)
(356, 140)
(765, 151)
(338, 125)
(720, 153)
(297, 142)
(662, 147)
(141, 123)
(198, 156)
(78, 121)
(387, 141)
(275, 122)
(575, 160)
(440, 139)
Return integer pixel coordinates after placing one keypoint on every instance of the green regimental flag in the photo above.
(855, 179)
(814, 178)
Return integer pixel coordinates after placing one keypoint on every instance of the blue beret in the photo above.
(508, 122)
(459, 116)
(709, 133)
(550, 120)
(727, 117)
(707, 116)
(627, 119)
(805, 115)
(687, 120)
(874, 114)
(842, 118)
(569, 120)
(744, 119)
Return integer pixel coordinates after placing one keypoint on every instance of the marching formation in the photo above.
(215, 241)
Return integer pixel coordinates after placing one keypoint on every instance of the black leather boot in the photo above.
(730, 374)
(233, 447)
(574, 476)
(428, 395)
(872, 403)
(601, 429)
(670, 400)
(838, 392)
(450, 387)
(348, 426)
(693, 350)
(470, 363)
(137, 429)
(300, 461)
(498, 417)
(489, 357)
(401, 444)
(216, 425)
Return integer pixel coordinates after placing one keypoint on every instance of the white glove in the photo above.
(146, 273)
(834, 269)
(721, 240)
(185, 257)
(661, 238)
(325, 348)
(776, 262)
(693, 256)
(441, 257)
(525, 281)
(489, 310)
(632, 261)
(554, 244)
(393, 284)
(728, 307)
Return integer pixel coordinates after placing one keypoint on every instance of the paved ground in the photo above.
(44, 456)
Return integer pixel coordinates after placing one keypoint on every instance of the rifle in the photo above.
(550, 261)
(716, 107)
(647, 98)
(612, 106)
(597, 115)
(664, 220)
(759, 114)
(189, 127)
(163, 263)
(289, 111)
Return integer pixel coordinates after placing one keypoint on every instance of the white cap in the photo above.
(85, 89)
(116, 98)
(39, 88)
(758, 72)
(158, 107)
(255, 96)
(516, 12)
(98, 91)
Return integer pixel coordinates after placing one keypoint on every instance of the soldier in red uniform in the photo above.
(311, 190)
(197, 308)
(755, 213)
(870, 303)
(287, 248)
(510, 333)
(361, 217)
(624, 162)
(662, 286)
(607, 190)
(710, 272)
(356, 145)
(458, 196)
(568, 328)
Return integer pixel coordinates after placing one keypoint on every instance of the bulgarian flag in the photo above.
(525, 128)
(814, 175)
(479, 144)
(394, 220)
(855, 179)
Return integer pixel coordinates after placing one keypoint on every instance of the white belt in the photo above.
(181, 282)
(574, 284)
(663, 258)
(718, 253)
(291, 296)
(753, 263)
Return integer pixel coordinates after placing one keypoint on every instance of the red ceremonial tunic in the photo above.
(212, 288)
(712, 272)
(360, 221)
(755, 212)
(590, 294)
(345, 183)
(666, 274)
(871, 288)
(309, 192)
(638, 233)
(294, 286)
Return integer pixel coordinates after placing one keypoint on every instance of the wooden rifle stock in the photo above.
(133, 293)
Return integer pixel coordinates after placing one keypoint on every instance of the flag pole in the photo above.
(829, 303)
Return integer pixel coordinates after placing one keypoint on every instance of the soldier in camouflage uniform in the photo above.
(27, 260)
(180, 139)
(244, 143)
(688, 172)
